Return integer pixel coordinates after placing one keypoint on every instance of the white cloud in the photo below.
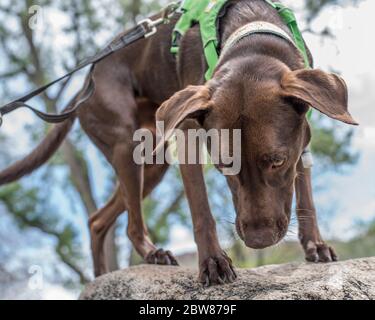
(365, 139)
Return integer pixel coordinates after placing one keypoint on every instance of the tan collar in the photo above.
(254, 28)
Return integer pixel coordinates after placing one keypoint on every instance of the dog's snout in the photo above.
(260, 234)
(261, 239)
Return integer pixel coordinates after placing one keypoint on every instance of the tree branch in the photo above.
(12, 73)
(163, 216)
(79, 175)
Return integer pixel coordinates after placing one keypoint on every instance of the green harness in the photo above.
(206, 12)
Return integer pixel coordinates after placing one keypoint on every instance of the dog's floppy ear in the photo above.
(192, 102)
(325, 92)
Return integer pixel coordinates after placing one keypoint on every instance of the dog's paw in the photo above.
(319, 251)
(161, 257)
(217, 269)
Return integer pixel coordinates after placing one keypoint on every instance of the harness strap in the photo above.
(289, 18)
(52, 118)
(204, 13)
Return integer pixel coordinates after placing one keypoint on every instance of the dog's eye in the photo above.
(273, 161)
(278, 163)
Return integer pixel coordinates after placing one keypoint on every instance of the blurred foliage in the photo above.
(314, 7)
(29, 209)
(332, 149)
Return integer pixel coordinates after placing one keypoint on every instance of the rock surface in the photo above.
(353, 279)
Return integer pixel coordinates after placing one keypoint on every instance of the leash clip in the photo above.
(151, 25)
(170, 10)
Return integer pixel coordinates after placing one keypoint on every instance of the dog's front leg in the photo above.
(316, 250)
(215, 267)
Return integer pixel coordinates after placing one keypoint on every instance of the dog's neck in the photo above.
(253, 28)
(242, 13)
(239, 13)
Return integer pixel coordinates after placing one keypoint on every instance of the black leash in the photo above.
(144, 29)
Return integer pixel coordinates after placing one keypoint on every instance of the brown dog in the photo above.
(260, 87)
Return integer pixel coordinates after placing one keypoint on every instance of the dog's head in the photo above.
(269, 107)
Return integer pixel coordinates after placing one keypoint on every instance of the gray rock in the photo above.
(353, 279)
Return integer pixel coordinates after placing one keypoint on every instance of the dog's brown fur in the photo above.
(260, 87)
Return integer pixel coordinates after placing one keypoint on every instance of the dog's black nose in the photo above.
(261, 234)
(261, 240)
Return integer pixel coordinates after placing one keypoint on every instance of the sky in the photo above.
(351, 195)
